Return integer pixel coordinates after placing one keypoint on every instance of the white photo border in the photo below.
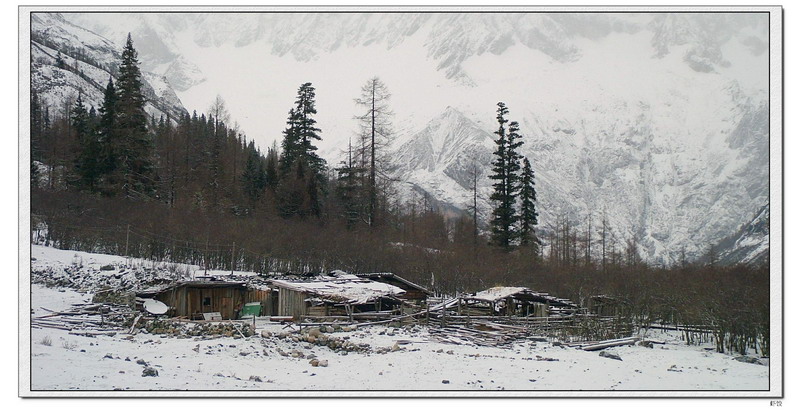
(776, 374)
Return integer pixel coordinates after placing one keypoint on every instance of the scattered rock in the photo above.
(323, 363)
(107, 267)
(609, 355)
(646, 343)
(255, 379)
(149, 372)
(108, 356)
(314, 362)
(141, 362)
(747, 359)
(445, 381)
(244, 353)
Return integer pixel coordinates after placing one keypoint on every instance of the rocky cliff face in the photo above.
(750, 244)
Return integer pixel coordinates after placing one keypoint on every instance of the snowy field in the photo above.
(61, 362)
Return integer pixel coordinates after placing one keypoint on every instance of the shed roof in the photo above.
(354, 291)
(501, 292)
(374, 275)
(204, 284)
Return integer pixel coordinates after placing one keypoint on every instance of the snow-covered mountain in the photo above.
(657, 122)
(88, 62)
(749, 245)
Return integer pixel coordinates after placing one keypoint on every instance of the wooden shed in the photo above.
(413, 292)
(345, 295)
(194, 298)
(513, 301)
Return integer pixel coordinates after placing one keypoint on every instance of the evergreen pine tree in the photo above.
(529, 218)
(300, 133)
(37, 132)
(350, 190)
(271, 167)
(106, 129)
(502, 212)
(299, 162)
(253, 178)
(134, 154)
(505, 168)
(86, 159)
(60, 63)
(290, 145)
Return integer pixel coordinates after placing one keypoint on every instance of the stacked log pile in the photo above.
(87, 319)
(479, 333)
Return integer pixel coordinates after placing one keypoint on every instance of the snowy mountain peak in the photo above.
(88, 61)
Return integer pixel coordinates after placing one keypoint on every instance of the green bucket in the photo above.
(251, 309)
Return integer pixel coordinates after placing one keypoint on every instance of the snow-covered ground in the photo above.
(61, 361)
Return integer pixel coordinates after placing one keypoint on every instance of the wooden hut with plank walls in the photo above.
(195, 298)
(343, 295)
(513, 301)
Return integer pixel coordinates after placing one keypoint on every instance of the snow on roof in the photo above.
(372, 275)
(501, 292)
(497, 293)
(355, 291)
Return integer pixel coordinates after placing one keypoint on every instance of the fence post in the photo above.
(127, 236)
(233, 256)
(205, 257)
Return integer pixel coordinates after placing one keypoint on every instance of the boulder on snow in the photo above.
(610, 355)
(149, 372)
(747, 359)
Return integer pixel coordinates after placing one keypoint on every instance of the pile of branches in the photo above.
(479, 333)
(87, 319)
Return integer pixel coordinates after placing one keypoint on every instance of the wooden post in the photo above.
(233, 256)
(127, 236)
(444, 311)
